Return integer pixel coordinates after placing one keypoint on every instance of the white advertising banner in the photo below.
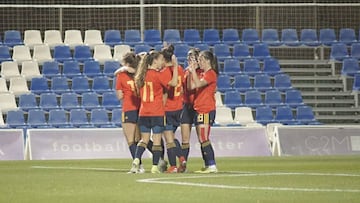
(11, 144)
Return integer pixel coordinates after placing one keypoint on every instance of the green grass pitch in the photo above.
(252, 179)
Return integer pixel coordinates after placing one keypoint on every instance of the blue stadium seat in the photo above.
(273, 98)
(282, 82)
(158, 47)
(39, 85)
(350, 67)
(51, 69)
(12, 38)
(27, 102)
(15, 119)
(99, 118)
(90, 100)
(262, 82)
(83, 53)
(112, 37)
(253, 99)
(5, 54)
(339, 51)
(305, 115)
(202, 46)
(232, 67)
(62, 53)
(293, 98)
(242, 83)
(152, 37)
(252, 67)
(230, 36)
(79, 118)
(270, 37)
(232, 99)
(36, 119)
(355, 51)
(211, 37)
(271, 66)
(222, 52)
(347, 36)
(110, 101)
(192, 37)
(289, 37)
(356, 84)
(264, 115)
(48, 101)
(250, 36)
(116, 115)
(241, 51)
(60, 85)
(223, 83)
(58, 118)
(92, 69)
(285, 115)
(327, 36)
(80, 85)
(69, 101)
(142, 48)
(71, 69)
(261, 51)
(172, 36)
(132, 37)
(101, 85)
(309, 37)
(110, 67)
(181, 51)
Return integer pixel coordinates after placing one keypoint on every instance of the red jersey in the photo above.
(151, 93)
(174, 99)
(126, 84)
(205, 96)
(189, 95)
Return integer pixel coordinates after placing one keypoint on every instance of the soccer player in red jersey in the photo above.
(205, 107)
(150, 83)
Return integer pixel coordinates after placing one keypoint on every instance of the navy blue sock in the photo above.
(178, 150)
(185, 148)
(157, 150)
(132, 148)
(162, 155)
(149, 146)
(140, 150)
(171, 148)
(208, 152)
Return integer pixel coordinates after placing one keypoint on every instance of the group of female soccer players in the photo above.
(159, 96)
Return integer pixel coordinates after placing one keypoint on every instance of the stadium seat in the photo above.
(223, 116)
(158, 47)
(192, 37)
(48, 101)
(327, 36)
(99, 118)
(339, 51)
(350, 67)
(250, 36)
(271, 66)
(253, 99)
(242, 83)
(284, 115)
(42, 53)
(36, 119)
(116, 115)
(8, 102)
(355, 51)
(69, 101)
(202, 47)
(289, 37)
(273, 98)
(53, 38)
(3, 86)
(222, 52)
(102, 53)
(39, 85)
(211, 37)
(282, 82)
(305, 115)
(218, 99)
(78, 118)
(71, 69)
(91, 69)
(62, 53)
(132, 37)
(27, 102)
(309, 37)
(241, 51)
(181, 51)
(29, 70)
(152, 37)
(15, 119)
(110, 101)
(270, 37)
(51, 69)
(93, 38)
(293, 98)
(32, 38)
(112, 37)
(101, 85)
(18, 86)
(264, 115)
(21, 53)
(232, 99)
(5, 54)
(223, 83)
(12, 38)
(120, 51)
(73, 38)
(58, 118)
(80, 84)
(89, 101)
(356, 84)
(262, 82)
(261, 51)
(110, 67)
(252, 67)
(60, 85)
(232, 67)
(9, 69)
(243, 116)
(347, 36)
(230, 36)
(172, 36)
(82, 54)
(142, 48)
(2, 122)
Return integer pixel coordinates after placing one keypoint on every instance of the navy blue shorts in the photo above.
(172, 119)
(130, 116)
(205, 118)
(154, 123)
(187, 114)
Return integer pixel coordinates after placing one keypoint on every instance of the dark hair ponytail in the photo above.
(167, 52)
(208, 55)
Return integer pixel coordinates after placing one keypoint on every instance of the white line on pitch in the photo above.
(77, 168)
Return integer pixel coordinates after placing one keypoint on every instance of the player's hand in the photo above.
(174, 60)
